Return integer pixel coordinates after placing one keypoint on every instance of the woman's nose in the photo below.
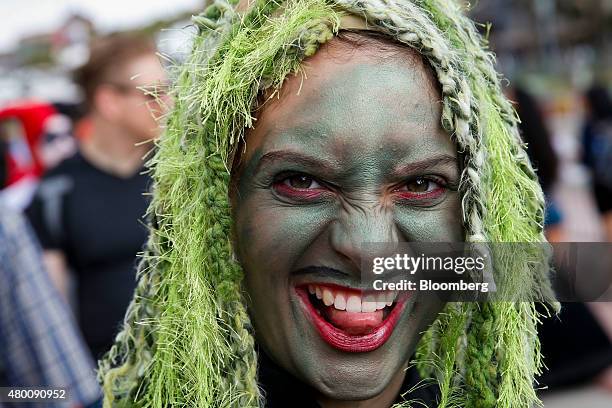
(357, 228)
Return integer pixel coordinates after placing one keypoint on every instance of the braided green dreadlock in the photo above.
(187, 339)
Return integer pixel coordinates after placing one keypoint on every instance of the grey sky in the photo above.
(26, 17)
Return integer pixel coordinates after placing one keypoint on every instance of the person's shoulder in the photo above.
(65, 175)
(61, 179)
(72, 165)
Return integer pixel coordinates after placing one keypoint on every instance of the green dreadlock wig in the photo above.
(187, 339)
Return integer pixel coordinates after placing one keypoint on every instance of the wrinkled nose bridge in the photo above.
(358, 226)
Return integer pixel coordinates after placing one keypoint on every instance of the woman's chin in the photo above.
(352, 393)
(351, 375)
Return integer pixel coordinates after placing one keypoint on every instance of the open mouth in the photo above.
(351, 320)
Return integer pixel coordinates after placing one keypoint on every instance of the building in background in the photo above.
(40, 66)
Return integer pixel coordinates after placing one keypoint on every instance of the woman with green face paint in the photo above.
(301, 130)
(357, 156)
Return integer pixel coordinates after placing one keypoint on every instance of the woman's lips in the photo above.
(349, 321)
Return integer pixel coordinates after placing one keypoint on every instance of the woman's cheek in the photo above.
(442, 224)
(269, 229)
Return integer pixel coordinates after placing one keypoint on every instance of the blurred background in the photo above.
(41, 41)
(555, 54)
(556, 51)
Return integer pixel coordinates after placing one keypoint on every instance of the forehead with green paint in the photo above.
(354, 76)
(348, 153)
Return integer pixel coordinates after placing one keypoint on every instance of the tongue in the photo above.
(354, 323)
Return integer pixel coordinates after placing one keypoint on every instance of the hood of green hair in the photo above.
(187, 338)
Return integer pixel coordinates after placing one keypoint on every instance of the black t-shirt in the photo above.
(96, 220)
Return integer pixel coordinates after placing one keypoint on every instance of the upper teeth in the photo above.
(351, 301)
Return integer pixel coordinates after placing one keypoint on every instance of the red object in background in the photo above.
(32, 117)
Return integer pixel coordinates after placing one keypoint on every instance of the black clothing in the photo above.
(536, 135)
(603, 197)
(283, 390)
(574, 346)
(95, 219)
(597, 153)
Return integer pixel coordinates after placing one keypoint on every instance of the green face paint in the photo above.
(357, 156)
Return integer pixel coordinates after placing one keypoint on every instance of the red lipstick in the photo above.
(357, 332)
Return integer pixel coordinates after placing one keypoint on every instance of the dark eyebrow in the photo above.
(438, 160)
(294, 157)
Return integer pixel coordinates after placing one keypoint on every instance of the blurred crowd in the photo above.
(73, 197)
(73, 201)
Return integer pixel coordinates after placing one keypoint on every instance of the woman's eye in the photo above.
(421, 185)
(300, 187)
(301, 182)
(421, 188)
